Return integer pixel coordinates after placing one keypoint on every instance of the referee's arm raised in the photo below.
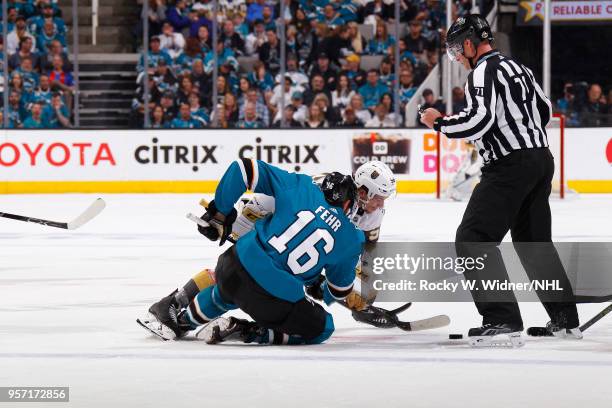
(479, 115)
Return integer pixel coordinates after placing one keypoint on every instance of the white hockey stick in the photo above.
(91, 212)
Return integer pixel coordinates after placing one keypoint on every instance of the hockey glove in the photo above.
(355, 301)
(217, 229)
(315, 290)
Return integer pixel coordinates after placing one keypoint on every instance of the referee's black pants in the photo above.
(513, 195)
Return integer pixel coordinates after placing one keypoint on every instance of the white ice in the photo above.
(68, 301)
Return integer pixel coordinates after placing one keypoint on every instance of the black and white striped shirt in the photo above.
(506, 109)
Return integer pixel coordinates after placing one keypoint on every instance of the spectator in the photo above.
(184, 120)
(55, 114)
(332, 116)
(56, 49)
(224, 56)
(137, 114)
(198, 19)
(381, 118)
(240, 25)
(291, 41)
(362, 113)
(429, 101)
(416, 43)
(358, 42)
(373, 90)
(404, 53)
(386, 75)
(197, 111)
(185, 61)
(261, 110)
(595, 103)
(378, 8)
(185, 89)
(459, 102)
(11, 17)
(407, 88)
(300, 110)
(43, 93)
(267, 16)
(157, 117)
(28, 75)
(260, 77)
(387, 101)
(155, 55)
(19, 33)
(177, 16)
(350, 120)
(16, 109)
(381, 43)
(610, 101)
(164, 77)
(173, 43)
(204, 40)
(35, 120)
(199, 78)
(283, 92)
(231, 39)
(293, 70)
(316, 118)
(48, 35)
(36, 24)
(230, 110)
(343, 93)
(330, 17)
(317, 86)
(290, 122)
(167, 104)
(157, 15)
(251, 119)
(25, 51)
(269, 52)
(566, 104)
(354, 73)
(255, 11)
(323, 68)
(256, 39)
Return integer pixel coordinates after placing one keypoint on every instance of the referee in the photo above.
(505, 117)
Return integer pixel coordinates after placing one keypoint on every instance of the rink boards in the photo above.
(189, 161)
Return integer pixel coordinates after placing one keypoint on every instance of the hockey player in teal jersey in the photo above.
(264, 274)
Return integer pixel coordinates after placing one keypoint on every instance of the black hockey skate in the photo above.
(230, 329)
(165, 319)
(496, 335)
(555, 330)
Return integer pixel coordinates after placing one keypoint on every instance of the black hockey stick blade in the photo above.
(92, 211)
(538, 331)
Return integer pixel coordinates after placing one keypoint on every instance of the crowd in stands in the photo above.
(338, 74)
(585, 104)
(40, 82)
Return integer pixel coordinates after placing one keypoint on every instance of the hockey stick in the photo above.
(386, 319)
(538, 331)
(92, 211)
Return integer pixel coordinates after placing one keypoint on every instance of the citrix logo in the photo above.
(175, 154)
(280, 154)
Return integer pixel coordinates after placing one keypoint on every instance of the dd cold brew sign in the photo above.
(392, 149)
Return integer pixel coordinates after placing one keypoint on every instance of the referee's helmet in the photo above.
(472, 27)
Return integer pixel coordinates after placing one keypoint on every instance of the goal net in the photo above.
(454, 155)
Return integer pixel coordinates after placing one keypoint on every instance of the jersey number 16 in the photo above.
(306, 247)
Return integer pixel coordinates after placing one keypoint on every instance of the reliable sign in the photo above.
(532, 12)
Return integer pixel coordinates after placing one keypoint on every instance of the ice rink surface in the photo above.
(68, 301)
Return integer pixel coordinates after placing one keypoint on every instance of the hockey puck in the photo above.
(455, 336)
